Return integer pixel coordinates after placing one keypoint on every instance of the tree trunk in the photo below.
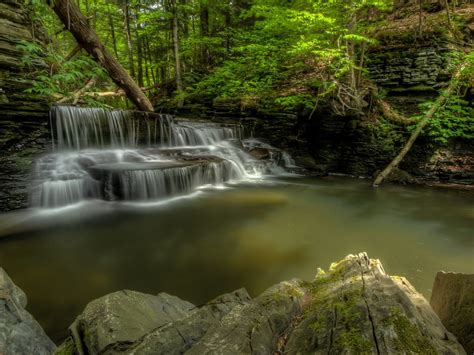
(204, 21)
(420, 17)
(139, 49)
(128, 35)
(76, 23)
(422, 124)
(112, 30)
(177, 61)
(228, 24)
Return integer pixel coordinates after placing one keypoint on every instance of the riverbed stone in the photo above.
(124, 317)
(452, 299)
(19, 331)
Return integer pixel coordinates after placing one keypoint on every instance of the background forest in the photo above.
(282, 54)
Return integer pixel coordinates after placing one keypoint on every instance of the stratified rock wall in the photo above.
(23, 118)
(409, 68)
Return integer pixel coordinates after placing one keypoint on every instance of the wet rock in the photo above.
(452, 299)
(178, 336)
(124, 317)
(260, 153)
(357, 308)
(400, 176)
(19, 332)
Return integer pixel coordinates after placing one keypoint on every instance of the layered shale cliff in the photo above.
(410, 65)
(23, 117)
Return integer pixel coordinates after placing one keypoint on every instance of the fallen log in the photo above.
(77, 24)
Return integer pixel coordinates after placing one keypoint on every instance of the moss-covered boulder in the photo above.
(357, 308)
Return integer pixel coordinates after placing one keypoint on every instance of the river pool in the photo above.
(249, 235)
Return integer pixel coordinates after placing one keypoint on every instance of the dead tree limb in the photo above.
(422, 124)
(388, 112)
(77, 24)
(78, 93)
(73, 53)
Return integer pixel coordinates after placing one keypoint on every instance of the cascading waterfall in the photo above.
(113, 155)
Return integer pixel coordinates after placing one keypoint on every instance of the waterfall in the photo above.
(113, 155)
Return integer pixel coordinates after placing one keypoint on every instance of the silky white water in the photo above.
(112, 155)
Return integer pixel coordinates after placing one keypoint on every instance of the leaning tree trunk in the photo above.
(422, 124)
(77, 24)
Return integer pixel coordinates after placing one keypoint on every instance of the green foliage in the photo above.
(60, 77)
(288, 42)
(296, 102)
(454, 120)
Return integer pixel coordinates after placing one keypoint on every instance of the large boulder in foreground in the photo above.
(179, 336)
(123, 317)
(353, 308)
(452, 299)
(19, 332)
(357, 308)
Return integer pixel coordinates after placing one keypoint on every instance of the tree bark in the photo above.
(112, 30)
(422, 124)
(139, 46)
(77, 24)
(204, 22)
(128, 35)
(177, 61)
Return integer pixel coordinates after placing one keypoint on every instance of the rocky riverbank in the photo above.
(354, 307)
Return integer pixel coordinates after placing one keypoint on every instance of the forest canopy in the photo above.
(282, 54)
(243, 48)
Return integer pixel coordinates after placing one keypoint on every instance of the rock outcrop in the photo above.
(452, 299)
(19, 332)
(353, 308)
(23, 117)
(123, 317)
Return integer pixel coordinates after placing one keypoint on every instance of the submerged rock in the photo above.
(354, 308)
(19, 332)
(453, 300)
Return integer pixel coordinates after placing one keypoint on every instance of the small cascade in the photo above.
(186, 133)
(113, 155)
